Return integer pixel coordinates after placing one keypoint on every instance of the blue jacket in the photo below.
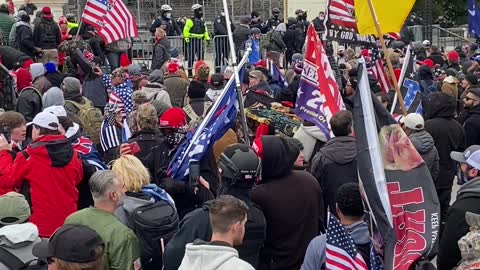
(255, 55)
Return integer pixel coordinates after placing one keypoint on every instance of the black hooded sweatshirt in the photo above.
(334, 165)
(468, 200)
(472, 126)
(447, 133)
(291, 202)
(196, 225)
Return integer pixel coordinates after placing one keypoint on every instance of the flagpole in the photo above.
(387, 58)
(237, 76)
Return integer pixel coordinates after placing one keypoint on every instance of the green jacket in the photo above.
(122, 250)
(187, 35)
(6, 22)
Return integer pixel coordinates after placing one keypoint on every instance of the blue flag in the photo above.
(413, 90)
(277, 78)
(473, 18)
(220, 118)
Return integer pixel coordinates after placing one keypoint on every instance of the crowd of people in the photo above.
(85, 153)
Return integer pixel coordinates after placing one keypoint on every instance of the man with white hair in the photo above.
(108, 192)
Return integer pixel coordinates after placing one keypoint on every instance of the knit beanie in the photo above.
(124, 61)
(173, 67)
(71, 85)
(36, 70)
(53, 97)
(199, 64)
(217, 81)
(134, 69)
(50, 67)
(472, 79)
(196, 89)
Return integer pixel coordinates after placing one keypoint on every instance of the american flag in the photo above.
(341, 13)
(110, 137)
(341, 252)
(377, 70)
(221, 117)
(111, 18)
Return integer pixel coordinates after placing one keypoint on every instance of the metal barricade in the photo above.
(221, 52)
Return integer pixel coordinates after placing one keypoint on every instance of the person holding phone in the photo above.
(145, 139)
(239, 169)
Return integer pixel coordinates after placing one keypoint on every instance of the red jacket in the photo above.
(51, 170)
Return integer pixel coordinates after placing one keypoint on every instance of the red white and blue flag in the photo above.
(378, 70)
(221, 117)
(318, 95)
(111, 18)
(341, 251)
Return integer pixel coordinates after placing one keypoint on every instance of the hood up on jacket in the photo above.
(152, 89)
(422, 141)
(470, 189)
(57, 151)
(341, 150)
(210, 257)
(18, 235)
(359, 232)
(440, 105)
(278, 156)
(53, 97)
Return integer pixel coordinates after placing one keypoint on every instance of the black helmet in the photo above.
(276, 10)
(240, 164)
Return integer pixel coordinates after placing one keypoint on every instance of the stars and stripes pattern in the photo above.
(341, 13)
(85, 147)
(121, 96)
(341, 251)
(111, 18)
(378, 70)
(221, 117)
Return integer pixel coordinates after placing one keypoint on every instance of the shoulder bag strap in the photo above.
(10, 260)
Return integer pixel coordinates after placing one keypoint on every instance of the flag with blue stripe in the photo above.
(277, 77)
(413, 88)
(221, 117)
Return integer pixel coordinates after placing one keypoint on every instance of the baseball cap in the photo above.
(471, 156)
(71, 243)
(56, 110)
(14, 209)
(413, 121)
(428, 62)
(426, 43)
(173, 118)
(45, 120)
(47, 12)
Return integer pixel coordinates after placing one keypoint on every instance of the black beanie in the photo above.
(196, 89)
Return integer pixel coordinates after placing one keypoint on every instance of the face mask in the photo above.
(275, 16)
(321, 18)
(174, 139)
(168, 15)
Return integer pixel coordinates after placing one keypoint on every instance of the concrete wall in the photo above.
(55, 5)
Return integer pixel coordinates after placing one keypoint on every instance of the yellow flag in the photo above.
(391, 15)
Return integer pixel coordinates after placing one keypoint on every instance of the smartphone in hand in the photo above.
(7, 133)
(134, 148)
(194, 168)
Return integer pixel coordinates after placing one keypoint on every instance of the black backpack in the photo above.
(154, 225)
(12, 262)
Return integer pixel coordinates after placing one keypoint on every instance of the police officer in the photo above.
(221, 41)
(302, 19)
(257, 22)
(194, 33)
(274, 20)
(166, 16)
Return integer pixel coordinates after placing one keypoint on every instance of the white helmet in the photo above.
(166, 8)
(196, 6)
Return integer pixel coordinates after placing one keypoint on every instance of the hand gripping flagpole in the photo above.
(215, 106)
(387, 58)
(236, 70)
